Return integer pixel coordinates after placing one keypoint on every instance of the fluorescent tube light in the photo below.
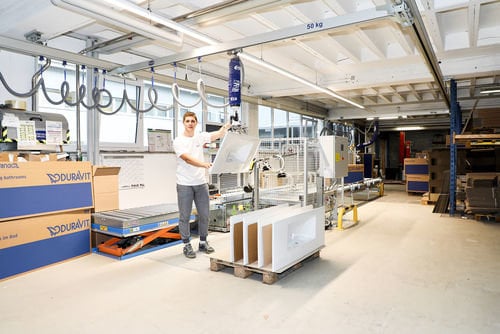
(490, 91)
(292, 76)
(128, 6)
(119, 20)
(409, 128)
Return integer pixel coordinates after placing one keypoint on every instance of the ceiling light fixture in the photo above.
(119, 20)
(137, 10)
(125, 5)
(292, 76)
(409, 128)
(490, 91)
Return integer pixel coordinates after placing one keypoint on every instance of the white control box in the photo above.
(334, 156)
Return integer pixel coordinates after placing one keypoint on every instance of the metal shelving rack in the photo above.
(455, 125)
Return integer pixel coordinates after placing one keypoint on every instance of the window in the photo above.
(280, 124)
(122, 126)
(277, 123)
(216, 115)
(294, 125)
(156, 118)
(265, 122)
(53, 77)
(309, 127)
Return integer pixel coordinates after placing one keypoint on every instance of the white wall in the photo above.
(159, 183)
(17, 71)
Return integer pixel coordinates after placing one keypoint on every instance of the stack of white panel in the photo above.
(276, 238)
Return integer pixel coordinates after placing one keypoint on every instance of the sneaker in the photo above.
(188, 251)
(205, 248)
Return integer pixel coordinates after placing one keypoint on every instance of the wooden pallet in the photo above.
(268, 276)
(427, 199)
(487, 217)
(424, 201)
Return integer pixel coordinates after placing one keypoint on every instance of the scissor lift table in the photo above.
(134, 230)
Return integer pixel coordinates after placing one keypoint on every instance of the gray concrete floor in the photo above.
(402, 269)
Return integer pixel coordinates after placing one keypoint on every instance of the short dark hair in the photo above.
(189, 114)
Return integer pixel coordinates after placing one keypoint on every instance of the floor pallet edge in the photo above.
(268, 276)
(484, 217)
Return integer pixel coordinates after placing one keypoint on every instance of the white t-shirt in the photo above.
(189, 175)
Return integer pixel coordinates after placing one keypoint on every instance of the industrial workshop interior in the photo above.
(346, 156)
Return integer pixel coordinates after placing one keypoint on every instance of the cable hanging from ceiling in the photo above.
(99, 95)
(200, 87)
(152, 90)
(176, 90)
(124, 99)
(33, 90)
(64, 90)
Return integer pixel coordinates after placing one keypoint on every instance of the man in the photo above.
(191, 181)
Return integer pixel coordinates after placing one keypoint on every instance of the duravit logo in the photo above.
(69, 227)
(69, 177)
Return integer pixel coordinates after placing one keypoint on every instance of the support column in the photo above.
(249, 116)
(93, 117)
(402, 151)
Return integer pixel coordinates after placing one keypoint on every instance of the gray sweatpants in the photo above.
(185, 197)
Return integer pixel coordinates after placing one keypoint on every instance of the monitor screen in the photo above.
(235, 154)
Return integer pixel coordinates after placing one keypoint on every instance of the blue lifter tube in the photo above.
(234, 86)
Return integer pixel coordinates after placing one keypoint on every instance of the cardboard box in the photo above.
(416, 161)
(417, 186)
(105, 187)
(160, 140)
(37, 157)
(356, 168)
(39, 188)
(30, 243)
(354, 173)
(417, 177)
(8, 156)
(17, 156)
(416, 166)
